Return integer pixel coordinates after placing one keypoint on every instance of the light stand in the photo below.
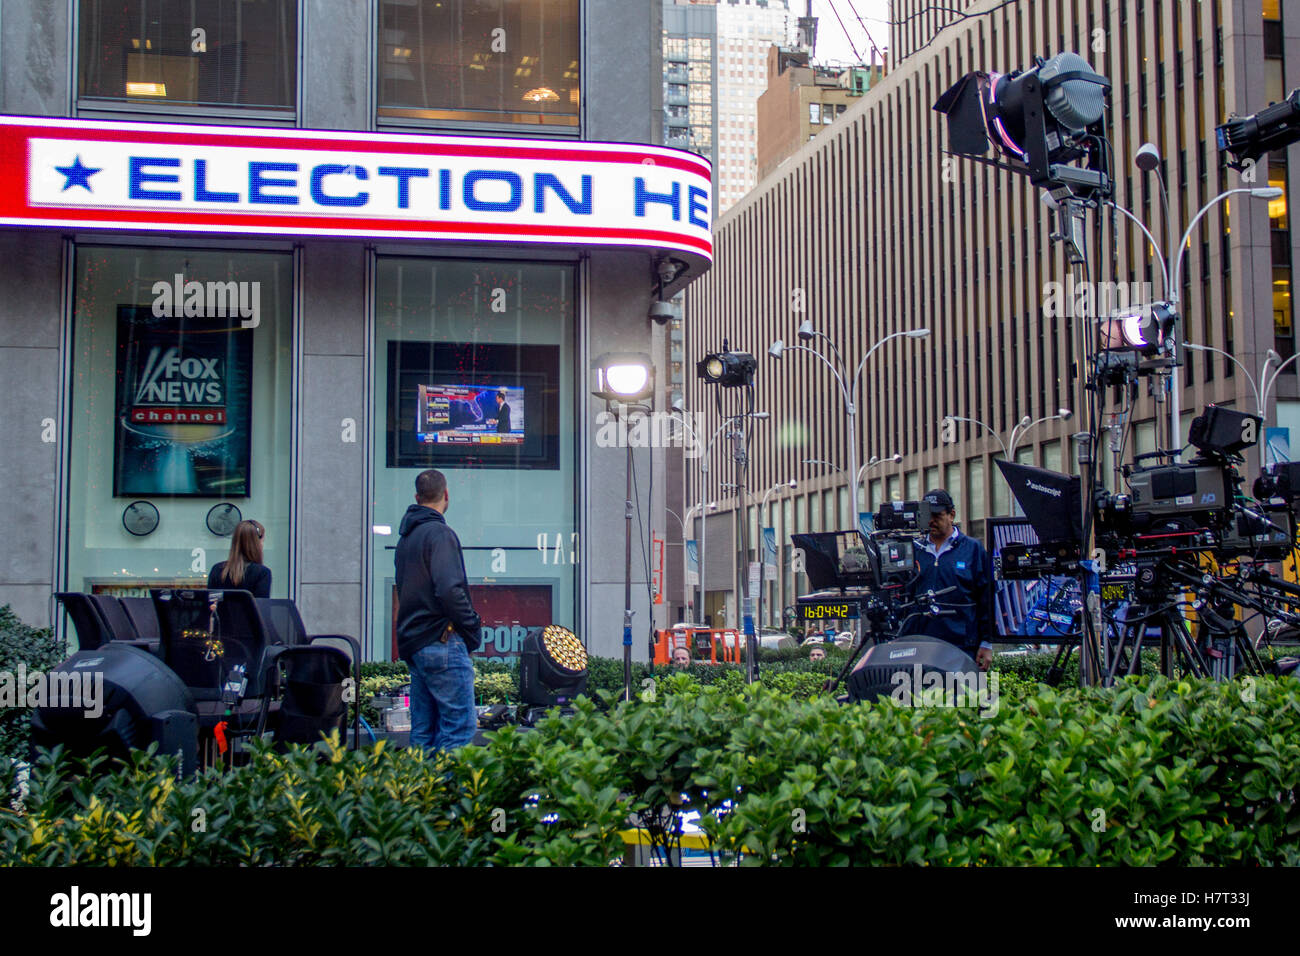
(734, 370)
(624, 380)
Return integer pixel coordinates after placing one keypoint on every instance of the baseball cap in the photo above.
(938, 498)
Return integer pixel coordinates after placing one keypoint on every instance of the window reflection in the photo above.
(503, 61)
(190, 52)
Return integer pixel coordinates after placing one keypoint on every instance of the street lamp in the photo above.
(987, 428)
(872, 462)
(1173, 282)
(678, 414)
(625, 379)
(1017, 433)
(683, 522)
(762, 548)
(848, 390)
(1268, 372)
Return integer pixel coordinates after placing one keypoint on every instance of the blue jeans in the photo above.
(442, 696)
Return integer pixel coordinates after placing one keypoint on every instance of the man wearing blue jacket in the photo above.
(947, 558)
(437, 625)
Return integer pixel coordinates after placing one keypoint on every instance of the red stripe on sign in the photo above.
(279, 140)
(339, 225)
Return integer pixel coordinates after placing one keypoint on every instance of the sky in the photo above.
(832, 43)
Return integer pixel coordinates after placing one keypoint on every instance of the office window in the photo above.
(487, 398)
(213, 53)
(493, 61)
(139, 451)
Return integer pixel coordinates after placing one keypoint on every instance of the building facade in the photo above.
(404, 206)
(870, 229)
(801, 100)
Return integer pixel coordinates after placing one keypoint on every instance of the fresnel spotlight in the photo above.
(1040, 120)
(1144, 329)
(728, 369)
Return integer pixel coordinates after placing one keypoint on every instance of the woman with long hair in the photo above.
(244, 569)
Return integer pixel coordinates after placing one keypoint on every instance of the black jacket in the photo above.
(432, 590)
(257, 578)
(503, 418)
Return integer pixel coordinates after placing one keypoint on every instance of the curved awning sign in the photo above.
(267, 181)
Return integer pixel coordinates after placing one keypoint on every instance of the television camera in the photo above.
(1182, 536)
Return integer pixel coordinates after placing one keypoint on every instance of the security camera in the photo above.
(661, 311)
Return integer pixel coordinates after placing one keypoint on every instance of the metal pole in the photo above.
(627, 584)
(704, 536)
(851, 414)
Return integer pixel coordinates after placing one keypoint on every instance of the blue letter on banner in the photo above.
(257, 182)
(671, 199)
(139, 177)
(545, 181)
(502, 176)
(318, 195)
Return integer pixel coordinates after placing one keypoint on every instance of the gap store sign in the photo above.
(239, 180)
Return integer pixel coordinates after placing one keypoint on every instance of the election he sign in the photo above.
(268, 181)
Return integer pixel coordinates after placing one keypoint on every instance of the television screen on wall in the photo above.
(469, 405)
(481, 414)
(184, 406)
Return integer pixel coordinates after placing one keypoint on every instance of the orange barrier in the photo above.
(706, 645)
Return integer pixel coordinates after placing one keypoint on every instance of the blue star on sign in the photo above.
(76, 175)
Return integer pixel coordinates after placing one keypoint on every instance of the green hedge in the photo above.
(36, 649)
(1150, 772)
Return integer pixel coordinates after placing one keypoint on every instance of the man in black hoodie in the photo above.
(437, 625)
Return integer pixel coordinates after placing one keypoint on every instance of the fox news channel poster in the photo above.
(470, 414)
(184, 397)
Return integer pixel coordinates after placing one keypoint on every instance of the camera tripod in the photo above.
(1221, 650)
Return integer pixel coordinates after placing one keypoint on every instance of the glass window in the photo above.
(931, 477)
(815, 513)
(180, 420)
(814, 113)
(474, 376)
(877, 498)
(1052, 455)
(952, 485)
(975, 473)
(1145, 438)
(189, 53)
(498, 61)
(1001, 494)
(913, 485)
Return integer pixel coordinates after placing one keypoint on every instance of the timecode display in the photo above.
(823, 612)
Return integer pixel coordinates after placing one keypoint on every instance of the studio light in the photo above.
(915, 663)
(552, 667)
(1249, 137)
(1142, 329)
(728, 369)
(1037, 118)
(624, 377)
(140, 701)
